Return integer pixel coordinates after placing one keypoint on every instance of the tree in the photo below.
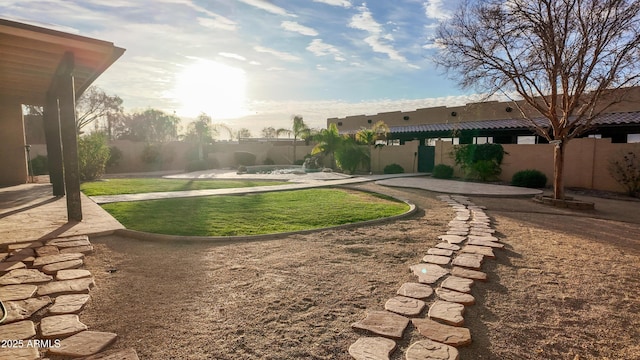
(151, 125)
(269, 132)
(567, 60)
(243, 133)
(94, 105)
(201, 131)
(300, 130)
(93, 154)
(351, 154)
(369, 137)
(328, 142)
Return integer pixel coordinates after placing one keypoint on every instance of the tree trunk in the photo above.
(558, 166)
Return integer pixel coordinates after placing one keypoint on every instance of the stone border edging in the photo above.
(147, 236)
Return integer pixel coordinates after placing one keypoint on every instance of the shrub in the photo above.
(151, 154)
(40, 165)
(479, 161)
(529, 178)
(244, 158)
(351, 155)
(93, 154)
(393, 169)
(242, 169)
(115, 155)
(299, 162)
(312, 162)
(268, 161)
(626, 171)
(442, 171)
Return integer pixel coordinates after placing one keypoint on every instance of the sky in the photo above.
(255, 63)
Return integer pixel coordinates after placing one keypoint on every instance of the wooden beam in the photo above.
(51, 119)
(67, 103)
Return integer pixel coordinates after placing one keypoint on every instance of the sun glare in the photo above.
(216, 89)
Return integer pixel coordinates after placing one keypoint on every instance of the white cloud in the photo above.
(319, 48)
(301, 29)
(434, 9)
(279, 54)
(217, 23)
(268, 7)
(232, 56)
(343, 3)
(377, 38)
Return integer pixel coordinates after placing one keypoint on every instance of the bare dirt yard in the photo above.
(566, 286)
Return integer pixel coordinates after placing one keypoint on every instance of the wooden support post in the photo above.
(51, 119)
(67, 104)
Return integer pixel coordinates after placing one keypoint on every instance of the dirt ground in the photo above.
(567, 286)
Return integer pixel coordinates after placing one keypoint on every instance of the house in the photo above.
(52, 69)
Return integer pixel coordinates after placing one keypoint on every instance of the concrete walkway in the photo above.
(417, 180)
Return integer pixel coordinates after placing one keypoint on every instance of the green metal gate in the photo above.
(426, 158)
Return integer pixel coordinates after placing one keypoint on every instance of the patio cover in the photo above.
(50, 68)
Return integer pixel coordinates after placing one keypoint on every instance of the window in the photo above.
(526, 139)
(393, 142)
(595, 136)
(430, 142)
(633, 138)
(483, 140)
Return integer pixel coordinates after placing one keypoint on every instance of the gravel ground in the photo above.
(565, 287)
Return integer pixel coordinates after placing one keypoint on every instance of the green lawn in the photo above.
(253, 214)
(136, 186)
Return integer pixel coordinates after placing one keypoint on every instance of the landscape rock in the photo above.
(486, 243)
(68, 304)
(468, 260)
(383, 323)
(458, 284)
(17, 292)
(55, 267)
(428, 273)
(430, 350)
(405, 305)
(59, 326)
(446, 334)
(441, 252)
(449, 312)
(7, 266)
(84, 344)
(77, 286)
(27, 353)
(50, 259)
(23, 309)
(17, 331)
(482, 250)
(448, 246)
(47, 250)
(455, 296)
(452, 239)
(72, 274)
(436, 259)
(24, 276)
(415, 290)
(372, 348)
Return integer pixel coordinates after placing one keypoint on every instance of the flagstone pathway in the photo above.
(449, 269)
(43, 290)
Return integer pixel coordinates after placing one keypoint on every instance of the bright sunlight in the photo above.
(213, 88)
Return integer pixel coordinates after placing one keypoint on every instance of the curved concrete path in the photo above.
(460, 187)
(418, 181)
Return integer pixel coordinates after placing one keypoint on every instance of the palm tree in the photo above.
(300, 130)
(329, 140)
(369, 137)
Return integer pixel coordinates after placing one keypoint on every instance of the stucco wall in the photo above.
(402, 155)
(12, 151)
(586, 161)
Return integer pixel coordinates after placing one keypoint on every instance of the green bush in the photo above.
(625, 169)
(244, 158)
(479, 161)
(442, 171)
(40, 165)
(115, 155)
(393, 169)
(351, 155)
(268, 161)
(151, 154)
(299, 162)
(93, 154)
(529, 178)
(484, 170)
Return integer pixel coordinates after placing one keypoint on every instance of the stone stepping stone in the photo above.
(77, 286)
(452, 239)
(11, 265)
(428, 273)
(482, 250)
(23, 245)
(431, 350)
(446, 334)
(51, 269)
(441, 252)
(468, 260)
(372, 348)
(59, 326)
(28, 260)
(457, 223)
(3, 256)
(468, 273)
(484, 237)
(24, 276)
(87, 249)
(17, 292)
(414, 290)
(47, 250)
(459, 233)
(455, 296)
(383, 323)
(23, 309)
(26, 252)
(83, 344)
(26, 353)
(405, 306)
(447, 246)
(486, 243)
(448, 312)
(18, 331)
(124, 354)
(72, 241)
(51, 259)
(72, 274)
(68, 304)
(458, 284)
(436, 259)
(479, 233)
